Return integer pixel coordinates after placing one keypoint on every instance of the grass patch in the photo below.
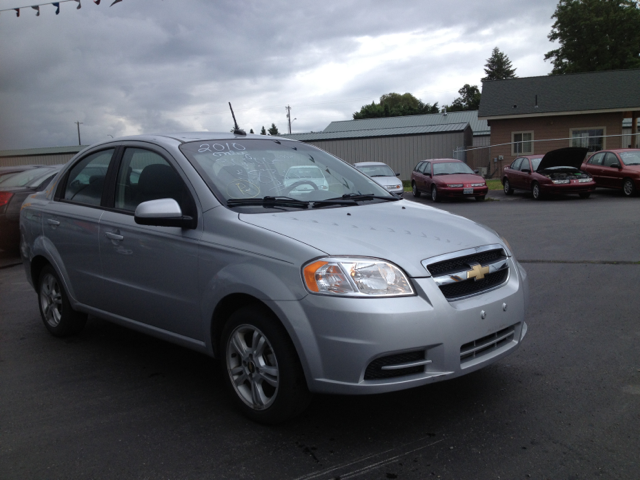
(494, 184)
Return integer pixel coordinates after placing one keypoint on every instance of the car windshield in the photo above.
(630, 158)
(450, 168)
(535, 162)
(26, 178)
(258, 168)
(376, 170)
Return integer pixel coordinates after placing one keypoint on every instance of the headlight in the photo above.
(359, 277)
(559, 182)
(584, 180)
(455, 185)
(391, 187)
(478, 184)
(509, 249)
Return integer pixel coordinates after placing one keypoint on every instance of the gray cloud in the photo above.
(151, 66)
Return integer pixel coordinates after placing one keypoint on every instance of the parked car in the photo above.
(615, 169)
(447, 178)
(383, 174)
(8, 172)
(12, 192)
(348, 290)
(555, 173)
(305, 179)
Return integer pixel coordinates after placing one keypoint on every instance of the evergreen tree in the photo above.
(263, 131)
(498, 66)
(595, 35)
(251, 131)
(273, 130)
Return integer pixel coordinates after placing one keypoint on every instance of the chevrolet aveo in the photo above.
(197, 239)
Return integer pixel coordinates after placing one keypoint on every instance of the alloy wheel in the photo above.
(51, 300)
(627, 188)
(252, 367)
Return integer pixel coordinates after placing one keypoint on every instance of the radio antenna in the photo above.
(236, 130)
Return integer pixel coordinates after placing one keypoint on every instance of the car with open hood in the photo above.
(447, 178)
(555, 173)
(618, 169)
(197, 239)
(382, 174)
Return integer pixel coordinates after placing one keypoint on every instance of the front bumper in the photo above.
(459, 192)
(567, 188)
(349, 345)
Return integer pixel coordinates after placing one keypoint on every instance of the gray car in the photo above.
(382, 174)
(195, 239)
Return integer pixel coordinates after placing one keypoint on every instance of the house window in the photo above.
(591, 138)
(521, 143)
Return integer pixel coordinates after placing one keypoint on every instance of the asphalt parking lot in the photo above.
(112, 403)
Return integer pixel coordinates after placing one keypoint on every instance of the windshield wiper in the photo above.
(352, 199)
(268, 202)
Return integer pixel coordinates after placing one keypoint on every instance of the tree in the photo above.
(273, 130)
(251, 131)
(263, 131)
(498, 66)
(469, 99)
(595, 35)
(394, 105)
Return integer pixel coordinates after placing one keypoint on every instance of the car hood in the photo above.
(402, 232)
(458, 178)
(563, 157)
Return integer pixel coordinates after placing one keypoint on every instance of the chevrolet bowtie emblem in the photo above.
(477, 272)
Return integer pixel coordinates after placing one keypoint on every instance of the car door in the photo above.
(71, 223)
(611, 171)
(593, 167)
(427, 177)
(525, 173)
(150, 272)
(513, 173)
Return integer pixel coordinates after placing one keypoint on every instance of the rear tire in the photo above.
(262, 370)
(628, 188)
(60, 319)
(434, 194)
(507, 187)
(535, 191)
(414, 190)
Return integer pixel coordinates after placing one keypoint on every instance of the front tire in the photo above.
(507, 187)
(59, 318)
(628, 188)
(536, 192)
(261, 367)
(414, 190)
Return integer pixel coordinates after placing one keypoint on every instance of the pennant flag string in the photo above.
(55, 4)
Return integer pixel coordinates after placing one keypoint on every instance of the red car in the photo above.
(555, 173)
(615, 169)
(447, 178)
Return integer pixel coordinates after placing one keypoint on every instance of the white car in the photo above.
(305, 179)
(382, 174)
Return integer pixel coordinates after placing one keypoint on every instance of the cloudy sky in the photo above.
(145, 66)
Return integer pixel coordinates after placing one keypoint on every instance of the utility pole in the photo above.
(288, 109)
(78, 124)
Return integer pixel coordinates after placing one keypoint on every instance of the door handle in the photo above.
(114, 236)
(52, 222)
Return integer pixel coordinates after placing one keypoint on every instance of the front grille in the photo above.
(485, 345)
(375, 369)
(452, 274)
(460, 263)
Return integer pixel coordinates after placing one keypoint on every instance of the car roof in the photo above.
(619, 150)
(442, 160)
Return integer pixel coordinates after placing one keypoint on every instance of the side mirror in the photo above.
(476, 171)
(526, 170)
(397, 174)
(616, 165)
(163, 213)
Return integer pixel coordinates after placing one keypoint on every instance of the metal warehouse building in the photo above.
(38, 156)
(401, 142)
